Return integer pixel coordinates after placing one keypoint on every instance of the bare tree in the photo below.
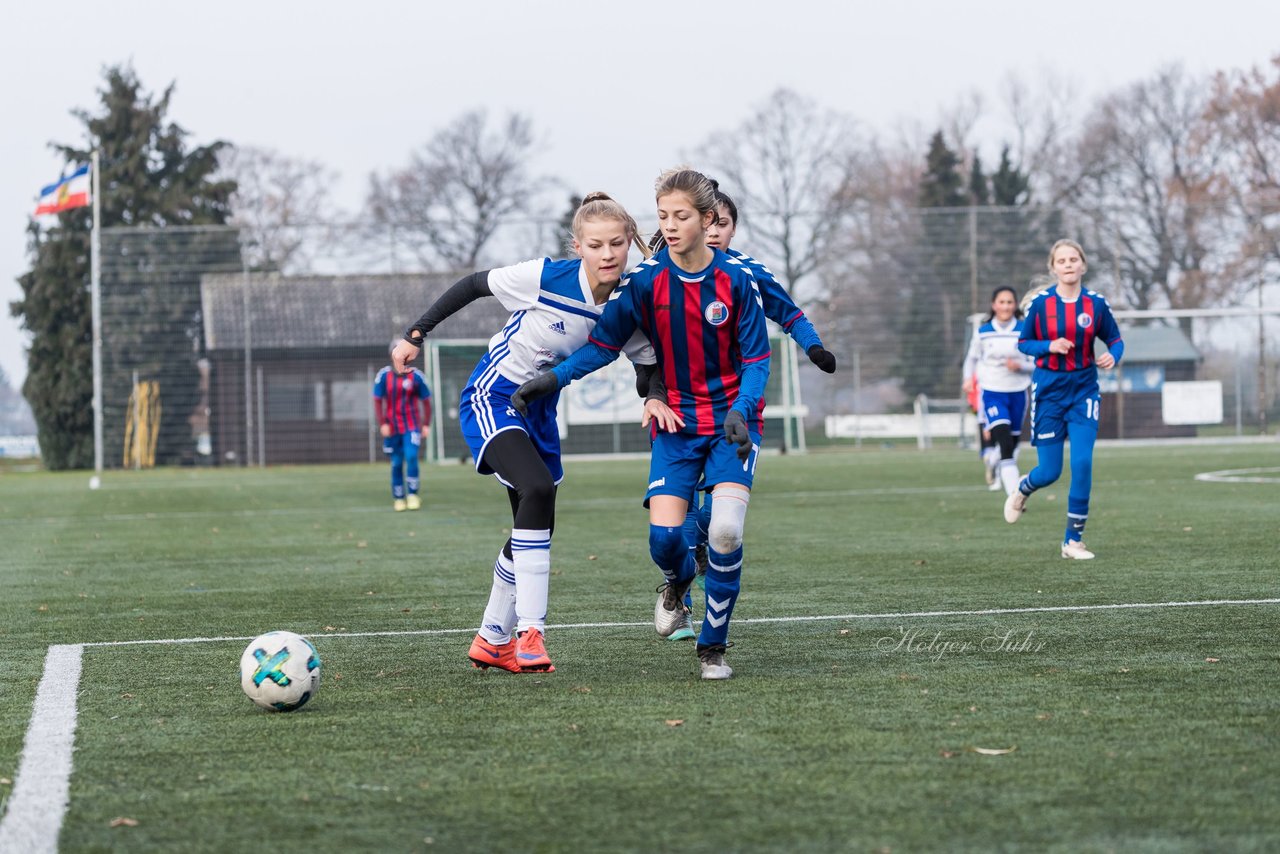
(788, 168)
(281, 203)
(458, 189)
(1244, 116)
(1149, 182)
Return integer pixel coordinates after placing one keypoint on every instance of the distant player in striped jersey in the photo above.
(1060, 329)
(1003, 373)
(554, 306)
(782, 310)
(702, 311)
(402, 406)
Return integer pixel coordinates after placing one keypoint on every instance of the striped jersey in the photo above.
(708, 331)
(398, 397)
(992, 346)
(778, 304)
(552, 312)
(1082, 321)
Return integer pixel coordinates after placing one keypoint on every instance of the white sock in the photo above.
(1009, 476)
(500, 613)
(532, 552)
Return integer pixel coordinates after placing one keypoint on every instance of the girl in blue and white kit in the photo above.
(1003, 373)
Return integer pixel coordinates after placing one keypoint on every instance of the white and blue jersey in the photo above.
(1004, 389)
(552, 313)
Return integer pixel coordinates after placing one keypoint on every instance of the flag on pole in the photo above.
(69, 191)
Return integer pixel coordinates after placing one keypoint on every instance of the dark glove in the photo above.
(824, 359)
(735, 430)
(540, 386)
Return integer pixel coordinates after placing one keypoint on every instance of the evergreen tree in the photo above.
(1010, 186)
(148, 177)
(979, 193)
(939, 279)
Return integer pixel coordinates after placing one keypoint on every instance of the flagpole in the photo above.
(95, 299)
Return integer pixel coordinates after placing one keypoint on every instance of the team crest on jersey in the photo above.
(716, 313)
(407, 383)
(1084, 320)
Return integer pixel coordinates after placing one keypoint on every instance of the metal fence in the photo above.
(219, 349)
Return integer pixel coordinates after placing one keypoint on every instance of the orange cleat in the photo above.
(531, 654)
(484, 655)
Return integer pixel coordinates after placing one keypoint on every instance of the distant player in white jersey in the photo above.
(1003, 374)
(554, 306)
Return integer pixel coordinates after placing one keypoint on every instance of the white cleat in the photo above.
(670, 613)
(995, 486)
(1014, 505)
(711, 662)
(1076, 550)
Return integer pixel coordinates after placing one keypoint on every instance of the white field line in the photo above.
(40, 790)
(1241, 475)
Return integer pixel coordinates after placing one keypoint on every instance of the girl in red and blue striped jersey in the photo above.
(397, 401)
(702, 312)
(554, 305)
(778, 307)
(1060, 329)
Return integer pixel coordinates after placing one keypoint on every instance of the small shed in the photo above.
(292, 359)
(1131, 393)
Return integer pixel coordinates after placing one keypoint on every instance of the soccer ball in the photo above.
(280, 671)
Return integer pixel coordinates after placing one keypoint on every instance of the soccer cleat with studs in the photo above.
(485, 654)
(670, 609)
(684, 630)
(1014, 506)
(531, 653)
(1076, 550)
(711, 662)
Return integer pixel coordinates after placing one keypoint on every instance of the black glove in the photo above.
(735, 430)
(824, 359)
(540, 386)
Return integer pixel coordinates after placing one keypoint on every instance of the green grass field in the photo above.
(855, 719)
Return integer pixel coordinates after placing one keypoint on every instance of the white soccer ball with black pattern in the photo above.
(280, 671)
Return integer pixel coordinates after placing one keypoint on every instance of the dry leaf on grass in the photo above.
(674, 722)
(992, 751)
(122, 821)
(1213, 660)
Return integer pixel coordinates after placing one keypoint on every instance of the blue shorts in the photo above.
(406, 444)
(485, 410)
(1004, 407)
(680, 460)
(1060, 400)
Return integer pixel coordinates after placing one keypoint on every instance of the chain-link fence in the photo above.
(221, 349)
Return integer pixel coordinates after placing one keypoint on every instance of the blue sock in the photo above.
(1048, 469)
(1082, 441)
(724, 579)
(668, 550)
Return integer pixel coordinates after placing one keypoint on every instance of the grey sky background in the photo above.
(617, 91)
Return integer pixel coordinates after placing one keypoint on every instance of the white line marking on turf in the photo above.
(41, 788)
(1240, 476)
(40, 791)
(895, 615)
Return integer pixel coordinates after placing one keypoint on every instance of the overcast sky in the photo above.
(616, 91)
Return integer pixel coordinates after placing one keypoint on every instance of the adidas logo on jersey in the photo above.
(558, 326)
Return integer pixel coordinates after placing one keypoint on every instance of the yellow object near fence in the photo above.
(142, 425)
